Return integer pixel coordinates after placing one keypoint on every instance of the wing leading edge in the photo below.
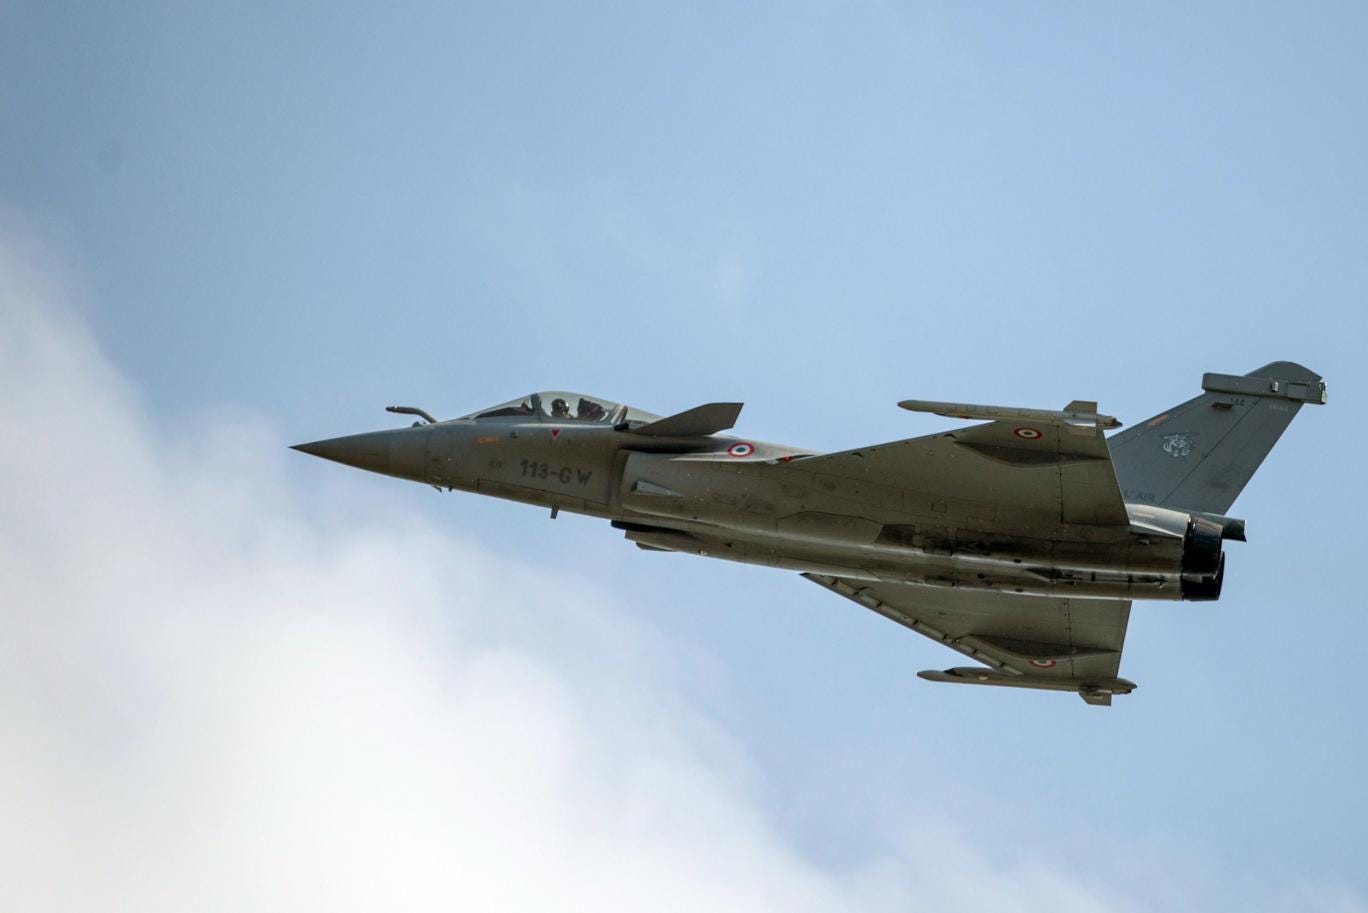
(1042, 642)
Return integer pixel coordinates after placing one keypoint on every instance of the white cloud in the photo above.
(216, 695)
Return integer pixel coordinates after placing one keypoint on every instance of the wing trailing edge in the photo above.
(1045, 643)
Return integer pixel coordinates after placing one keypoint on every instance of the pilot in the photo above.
(590, 410)
(560, 408)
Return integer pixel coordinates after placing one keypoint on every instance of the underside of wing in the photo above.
(1033, 474)
(1042, 642)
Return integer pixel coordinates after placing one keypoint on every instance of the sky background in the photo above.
(238, 678)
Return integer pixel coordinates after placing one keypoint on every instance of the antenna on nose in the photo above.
(411, 410)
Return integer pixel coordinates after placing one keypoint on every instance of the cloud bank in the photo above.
(217, 694)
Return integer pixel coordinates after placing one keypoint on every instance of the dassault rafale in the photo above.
(1019, 541)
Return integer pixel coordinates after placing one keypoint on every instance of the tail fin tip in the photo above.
(1286, 370)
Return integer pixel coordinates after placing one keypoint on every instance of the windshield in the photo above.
(517, 408)
(560, 406)
(576, 407)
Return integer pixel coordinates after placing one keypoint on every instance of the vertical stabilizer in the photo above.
(1199, 456)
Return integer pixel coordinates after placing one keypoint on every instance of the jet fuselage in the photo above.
(719, 497)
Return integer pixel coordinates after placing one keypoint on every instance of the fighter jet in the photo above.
(1019, 541)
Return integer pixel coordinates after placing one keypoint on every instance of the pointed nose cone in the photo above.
(401, 452)
(364, 451)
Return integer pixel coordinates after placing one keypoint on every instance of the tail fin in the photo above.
(1199, 456)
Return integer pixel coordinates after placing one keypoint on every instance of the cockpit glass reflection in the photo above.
(576, 407)
(517, 408)
(562, 406)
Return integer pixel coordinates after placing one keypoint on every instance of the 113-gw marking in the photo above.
(533, 469)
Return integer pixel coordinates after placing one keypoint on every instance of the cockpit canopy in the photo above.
(560, 406)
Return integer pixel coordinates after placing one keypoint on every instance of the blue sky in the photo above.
(275, 221)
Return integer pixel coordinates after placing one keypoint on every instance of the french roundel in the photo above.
(741, 449)
(1028, 434)
(1043, 663)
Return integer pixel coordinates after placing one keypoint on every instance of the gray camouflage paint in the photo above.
(1019, 542)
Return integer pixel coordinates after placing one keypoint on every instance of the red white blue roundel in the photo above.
(1027, 434)
(1043, 663)
(741, 449)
